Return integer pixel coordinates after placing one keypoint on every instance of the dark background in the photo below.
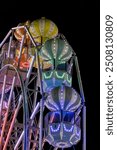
(79, 22)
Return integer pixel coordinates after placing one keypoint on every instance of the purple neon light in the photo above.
(55, 130)
(68, 130)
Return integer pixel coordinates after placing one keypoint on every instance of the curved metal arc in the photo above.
(25, 104)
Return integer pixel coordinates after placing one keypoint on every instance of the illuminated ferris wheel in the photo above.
(38, 102)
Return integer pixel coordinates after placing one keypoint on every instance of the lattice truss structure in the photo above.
(38, 103)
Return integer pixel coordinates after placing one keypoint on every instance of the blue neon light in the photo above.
(55, 130)
(68, 130)
(78, 133)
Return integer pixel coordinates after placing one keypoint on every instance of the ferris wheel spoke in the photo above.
(6, 114)
(1, 101)
(9, 47)
(12, 123)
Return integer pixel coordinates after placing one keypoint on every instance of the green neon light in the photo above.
(69, 79)
(58, 76)
(48, 76)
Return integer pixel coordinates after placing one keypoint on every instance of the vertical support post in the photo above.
(25, 103)
(84, 127)
(21, 47)
(9, 48)
(83, 103)
(26, 83)
(41, 124)
(41, 90)
(79, 79)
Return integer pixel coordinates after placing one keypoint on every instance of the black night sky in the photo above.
(79, 22)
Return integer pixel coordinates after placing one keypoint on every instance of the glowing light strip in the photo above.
(55, 130)
(69, 80)
(78, 133)
(48, 76)
(58, 76)
(61, 97)
(68, 130)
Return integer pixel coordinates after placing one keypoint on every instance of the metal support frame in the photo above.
(24, 101)
(6, 115)
(12, 123)
(24, 90)
(2, 96)
(22, 134)
(41, 90)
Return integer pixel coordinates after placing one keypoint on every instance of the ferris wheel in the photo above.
(38, 102)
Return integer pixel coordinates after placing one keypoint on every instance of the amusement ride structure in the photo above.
(38, 103)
